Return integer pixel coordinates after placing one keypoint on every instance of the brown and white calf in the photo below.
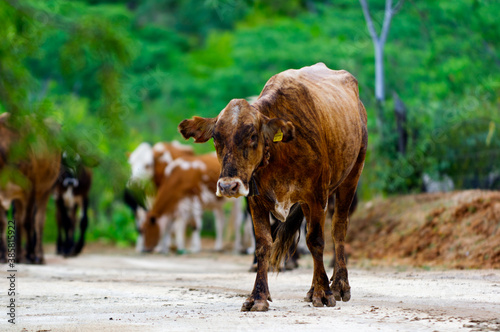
(187, 189)
(158, 163)
(28, 176)
(148, 164)
(304, 138)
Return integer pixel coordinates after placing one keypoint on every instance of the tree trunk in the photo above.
(379, 109)
(379, 86)
(378, 44)
(401, 123)
(379, 71)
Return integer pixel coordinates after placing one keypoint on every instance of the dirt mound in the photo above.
(456, 230)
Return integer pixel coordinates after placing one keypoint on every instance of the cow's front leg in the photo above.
(257, 301)
(320, 293)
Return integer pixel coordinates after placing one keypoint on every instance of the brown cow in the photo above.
(303, 139)
(27, 181)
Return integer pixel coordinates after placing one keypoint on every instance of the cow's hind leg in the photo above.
(257, 301)
(219, 227)
(196, 235)
(180, 234)
(3, 237)
(29, 228)
(237, 219)
(320, 293)
(20, 219)
(84, 222)
(59, 219)
(39, 225)
(343, 199)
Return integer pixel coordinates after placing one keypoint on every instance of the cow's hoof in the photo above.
(35, 260)
(341, 290)
(327, 299)
(251, 305)
(261, 305)
(320, 299)
(38, 261)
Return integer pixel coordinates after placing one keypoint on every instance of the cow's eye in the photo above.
(253, 139)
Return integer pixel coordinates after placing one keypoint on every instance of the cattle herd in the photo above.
(292, 156)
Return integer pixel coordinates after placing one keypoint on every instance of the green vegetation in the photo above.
(118, 72)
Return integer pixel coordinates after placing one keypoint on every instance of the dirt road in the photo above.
(204, 292)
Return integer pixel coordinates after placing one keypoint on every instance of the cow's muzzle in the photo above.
(231, 187)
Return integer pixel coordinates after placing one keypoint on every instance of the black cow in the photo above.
(72, 194)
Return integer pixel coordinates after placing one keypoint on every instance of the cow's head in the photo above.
(141, 162)
(241, 134)
(150, 231)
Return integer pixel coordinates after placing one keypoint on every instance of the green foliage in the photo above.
(118, 227)
(50, 229)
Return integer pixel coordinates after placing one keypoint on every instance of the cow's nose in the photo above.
(229, 188)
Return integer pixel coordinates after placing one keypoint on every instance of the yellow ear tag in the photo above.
(278, 136)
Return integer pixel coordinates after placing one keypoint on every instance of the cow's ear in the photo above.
(279, 130)
(200, 128)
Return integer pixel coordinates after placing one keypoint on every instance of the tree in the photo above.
(378, 44)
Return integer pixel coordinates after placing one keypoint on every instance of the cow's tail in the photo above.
(284, 239)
